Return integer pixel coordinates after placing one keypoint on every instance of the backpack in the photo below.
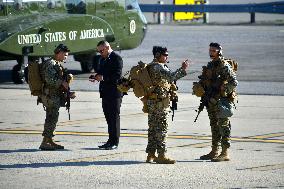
(141, 80)
(233, 96)
(233, 64)
(34, 78)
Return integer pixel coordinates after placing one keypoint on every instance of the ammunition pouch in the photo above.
(197, 89)
(163, 103)
(69, 78)
(233, 97)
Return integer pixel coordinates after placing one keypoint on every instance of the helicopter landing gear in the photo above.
(87, 61)
(86, 67)
(19, 71)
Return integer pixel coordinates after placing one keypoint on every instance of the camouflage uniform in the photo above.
(220, 70)
(52, 97)
(158, 105)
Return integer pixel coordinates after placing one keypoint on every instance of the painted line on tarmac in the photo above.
(197, 137)
(199, 145)
(76, 122)
(101, 157)
(265, 167)
(271, 135)
(68, 123)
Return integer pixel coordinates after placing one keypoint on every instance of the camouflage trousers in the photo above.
(220, 128)
(52, 106)
(158, 127)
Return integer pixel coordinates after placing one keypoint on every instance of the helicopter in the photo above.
(33, 28)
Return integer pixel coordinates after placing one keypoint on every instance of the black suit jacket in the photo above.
(111, 70)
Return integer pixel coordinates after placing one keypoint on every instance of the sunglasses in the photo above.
(214, 50)
(165, 54)
(101, 51)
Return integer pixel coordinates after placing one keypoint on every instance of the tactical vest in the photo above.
(212, 77)
(60, 72)
(161, 86)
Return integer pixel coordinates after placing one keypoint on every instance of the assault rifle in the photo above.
(212, 92)
(203, 103)
(68, 102)
(68, 78)
(174, 99)
(174, 107)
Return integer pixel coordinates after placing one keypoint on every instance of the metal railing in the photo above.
(271, 7)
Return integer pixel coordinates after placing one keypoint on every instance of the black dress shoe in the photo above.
(104, 145)
(111, 147)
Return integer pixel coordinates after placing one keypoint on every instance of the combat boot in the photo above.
(213, 154)
(57, 146)
(46, 145)
(151, 157)
(224, 156)
(162, 159)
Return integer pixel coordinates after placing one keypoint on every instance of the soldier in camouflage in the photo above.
(158, 104)
(53, 95)
(219, 83)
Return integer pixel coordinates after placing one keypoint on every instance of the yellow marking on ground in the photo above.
(201, 145)
(271, 135)
(139, 135)
(266, 167)
(75, 122)
(190, 137)
(257, 140)
(20, 132)
(99, 157)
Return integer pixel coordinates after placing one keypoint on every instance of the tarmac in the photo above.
(256, 153)
(257, 149)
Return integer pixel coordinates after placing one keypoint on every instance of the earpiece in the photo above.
(157, 55)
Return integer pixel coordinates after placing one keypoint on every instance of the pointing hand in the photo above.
(185, 64)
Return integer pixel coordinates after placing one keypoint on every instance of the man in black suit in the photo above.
(108, 72)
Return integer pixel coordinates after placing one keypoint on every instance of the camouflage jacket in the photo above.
(217, 73)
(51, 72)
(162, 77)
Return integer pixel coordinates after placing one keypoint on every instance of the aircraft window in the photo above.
(76, 6)
(50, 4)
(18, 4)
(23, 5)
(1, 5)
(104, 1)
(131, 4)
